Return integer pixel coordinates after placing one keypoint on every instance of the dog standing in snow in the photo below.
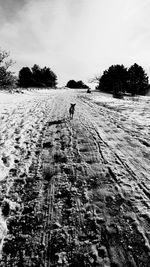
(71, 110)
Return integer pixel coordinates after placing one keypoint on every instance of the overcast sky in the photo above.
(77, 39)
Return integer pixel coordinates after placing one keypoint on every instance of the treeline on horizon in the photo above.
(117, 79)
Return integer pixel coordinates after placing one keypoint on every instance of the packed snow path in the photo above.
(78, 190)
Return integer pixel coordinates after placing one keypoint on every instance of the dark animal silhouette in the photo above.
(88, 91)
(71, 110)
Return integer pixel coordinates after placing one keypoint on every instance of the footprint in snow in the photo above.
(6, 160)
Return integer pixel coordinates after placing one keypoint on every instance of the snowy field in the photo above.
(135, 108)
(74, 191)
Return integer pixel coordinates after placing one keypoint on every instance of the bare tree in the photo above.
(4, 59)
(95, 79)
(6, 77)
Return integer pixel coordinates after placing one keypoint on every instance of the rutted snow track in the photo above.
(78, 190)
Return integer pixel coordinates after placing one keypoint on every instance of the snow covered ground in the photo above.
(78, 190)
(134, 108)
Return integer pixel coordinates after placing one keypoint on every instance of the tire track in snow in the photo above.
(130, 189)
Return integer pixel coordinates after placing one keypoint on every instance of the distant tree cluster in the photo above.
(118, 80)
(37, 77)
(76, 84)
(7, 79)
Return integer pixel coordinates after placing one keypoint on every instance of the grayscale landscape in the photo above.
(74, 133)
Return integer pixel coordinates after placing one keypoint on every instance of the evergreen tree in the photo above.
(71, 84)
(114, 80)
(76, 84)
(25, 77)
(49, 77)
(137, 80)
(37, 76)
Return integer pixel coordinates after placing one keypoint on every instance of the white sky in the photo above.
(77, 39)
